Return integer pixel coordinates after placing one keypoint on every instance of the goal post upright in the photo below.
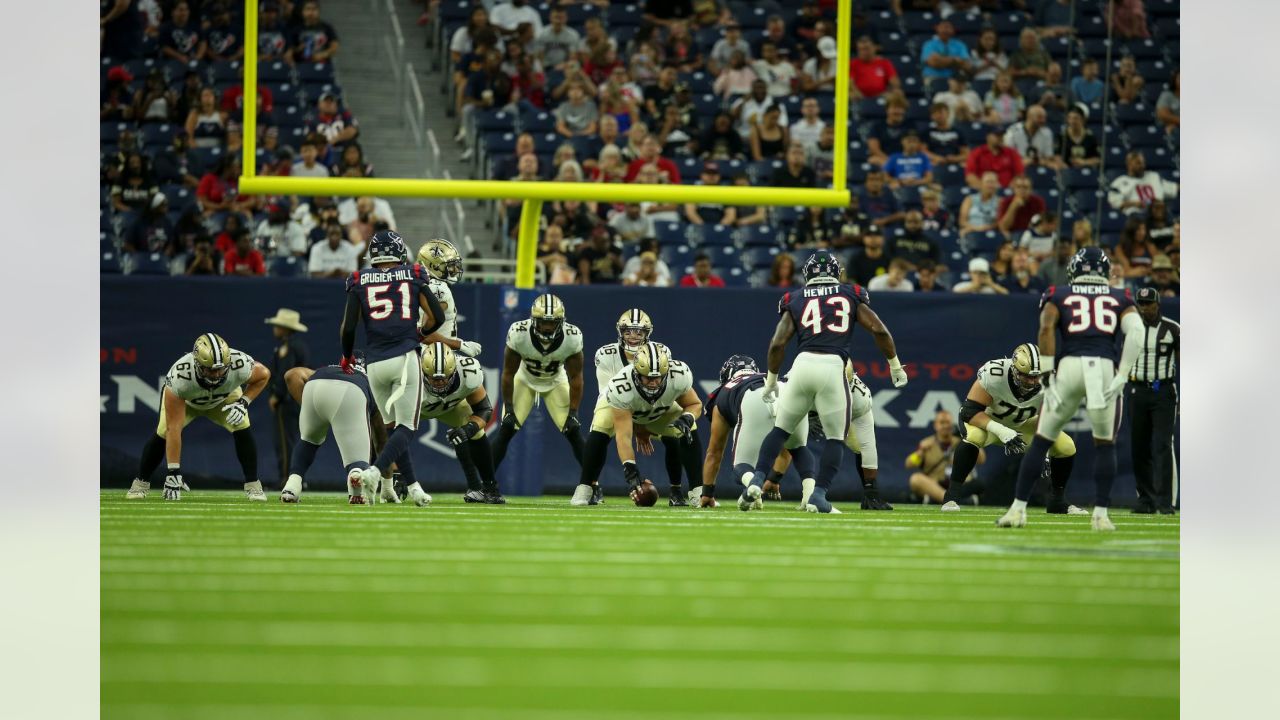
(535, 193)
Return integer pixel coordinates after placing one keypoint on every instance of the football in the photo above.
(644, 494)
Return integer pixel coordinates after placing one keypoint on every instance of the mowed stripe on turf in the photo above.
(540, 610)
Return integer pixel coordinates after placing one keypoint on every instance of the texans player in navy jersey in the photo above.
(821, 316)
(387, 297)
(1085, 314)
(738, 405)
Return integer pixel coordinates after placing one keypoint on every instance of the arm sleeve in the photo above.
(1131, 324)
(437, 313)
(350, 317)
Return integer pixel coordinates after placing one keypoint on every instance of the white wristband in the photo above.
(1004, 434)
(771, 379)
(894, 364)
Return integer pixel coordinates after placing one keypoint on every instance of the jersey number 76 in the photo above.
(811, 317)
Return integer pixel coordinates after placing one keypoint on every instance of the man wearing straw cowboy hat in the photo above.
(290, 352)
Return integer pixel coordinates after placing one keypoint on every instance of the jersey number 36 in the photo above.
(1100, 313)
(812, 315)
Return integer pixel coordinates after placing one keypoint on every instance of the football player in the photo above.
(861, 439)
(634, 330)
(738, 405)
(455, 396)
(333, 400)
(1086, 313)
(387, 298)
(821, 316)
(655, 393)
(214, 382)
(1002, 408)
(543, 360)
(444, 265)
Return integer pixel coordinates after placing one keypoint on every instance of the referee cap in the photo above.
(1148, 295)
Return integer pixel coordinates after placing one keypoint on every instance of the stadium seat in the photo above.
(759, 257)
(1080, 178)
(758, 236)
(983, 243)
(629, 14)
(1087, 201)
(157, 135)
(225, 72)
(1130, 114)
(714, 235)
(180, 197)
(1060, 48)
(1090, 25)
(499, 143)
(871, 109)
(785, 215)
(1144, 136)
(311, 92)
(1153, 70)
(690, 169)
(707, 105)
(1008, 24)
(676, 256)
(289, 266)
(894, 44)
(537, 122)
(735, 277)
(578, 14)
(720, 256)
(1112, 221)
(1160, 159)
(454, 10)
(111, 263)
(973, 133)
(949, 175)
(761, 170)
(143, 263)
(919, 23)
(315, 73)
(546, 143)
(671, 233)
(274, 72)
(111, 130)
(493, 121)
(1169, 28)
(1043, 178)
(205, 159)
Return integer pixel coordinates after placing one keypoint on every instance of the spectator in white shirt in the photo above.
(335, 257)
(1040, 238)
(808, 130)
(632, 224)
(308, 165)
(646, 273)
(557, 42)
(648, 245)
(893, 281)
(508, 16)
(1133, 192)
(722, 52)
(362, 216)
(750, 109)
(278, 236)
(980, 281)
(1033, 139)
(964, 103)
(779, 74)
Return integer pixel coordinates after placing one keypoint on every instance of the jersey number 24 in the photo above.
(811, 317)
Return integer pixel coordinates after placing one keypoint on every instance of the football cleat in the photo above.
(387, 490)
(1103, 523)
(950, 506)
(138, 490)
(677, 498)
(597, 495)
(253, 491)
(1013, 518)
(417, 495)
(818, 502)
(772, 491)
(1076, 510)
(292, 492)
(581, 496)
(806, 489)
(833, 510)
(750, 499)
(359, 485)
(473, 496)
(875, 503)
(494, 497)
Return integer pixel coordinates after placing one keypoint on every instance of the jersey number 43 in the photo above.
(838, 322)
(1092, 313)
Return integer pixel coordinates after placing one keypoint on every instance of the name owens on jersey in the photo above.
(543, 364)
(389, 301)
(181, 380)
(470, 377)
(1007, 405)
(824, 315)
(623, 395)
(1088, 318)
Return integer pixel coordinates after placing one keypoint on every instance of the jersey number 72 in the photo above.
(811, 317)
(381, 308)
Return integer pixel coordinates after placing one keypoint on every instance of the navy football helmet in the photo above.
(821, 264)
(1089, 262)
(387, 246)
(737, 365)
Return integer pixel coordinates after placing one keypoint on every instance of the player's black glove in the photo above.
(683, 424)
(571, 424)
(631, 472)
(815, 427)
(459, 435)
(1016, 446)
(508, 419)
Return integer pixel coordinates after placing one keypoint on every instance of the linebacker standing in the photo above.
(1153, 399)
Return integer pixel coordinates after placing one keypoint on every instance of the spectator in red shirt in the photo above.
(1016, 210)
(994, 157)
(650, 150)
(872, 75)
(218, 188)
(701, 276)
(233, 97)
(244, 258)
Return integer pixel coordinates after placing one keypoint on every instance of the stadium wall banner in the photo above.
(942, 340)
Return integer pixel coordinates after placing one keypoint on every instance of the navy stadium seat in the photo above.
(1112, 221)
(1144, 136)
(735, 277)
(629, 14)
(919, 23)
(671, 233)
(275, 72)
(494, 121)
(1090, 25)
(1043, 178)
(454, 10)
(707, 105)
(1008, 24)
(720, 256)
(759, 236)
(158, 135)
(225, 71)
(761, 170)
(676, 256)
(110, 263)
(949, 175)
(983, 243)
(206, 158)
(111, 130)
(952, 197)
(1080, 178)
(716, 235)
(144, 263)
(759, 257)
(499, 143)
(288, 266)
(315, 73)
(537, 122)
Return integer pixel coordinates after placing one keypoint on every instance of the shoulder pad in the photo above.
(782, 304)
(1047, 296)
(353, 280)
(861, 294)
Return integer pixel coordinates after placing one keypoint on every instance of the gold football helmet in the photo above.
(634, 329)
(548, 317)
(650, 368)
(441, 259)
(439, 368)
(1026, 367)
(211, 354)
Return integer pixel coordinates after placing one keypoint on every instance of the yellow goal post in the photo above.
(533, 194)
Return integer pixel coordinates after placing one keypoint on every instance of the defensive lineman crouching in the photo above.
(655, 393)
(206, 382)
(455, 396)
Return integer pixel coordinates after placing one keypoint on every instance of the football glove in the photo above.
(470, 348)
(173, 485)
(508, 419)
(348, 364)
(236, 412)
(1016, 446)
(896, 373)
(571, 423)
(1114, 388)
(1003, 433)
(459, 435)
(682, 424)
(770, 388)
(631, 472)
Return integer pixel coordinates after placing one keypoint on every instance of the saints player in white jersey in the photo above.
(214, 382)
(444, 265)
(1003, 407)
(656, 393)
(634, 330)
(455, 396)
(543, 361)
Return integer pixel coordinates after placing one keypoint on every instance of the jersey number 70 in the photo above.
(811, 317)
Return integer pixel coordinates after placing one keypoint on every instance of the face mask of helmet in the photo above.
(633, 336)
(650, 387)
(439, 384)
(1024, 382)
(546, 329)
(209, 377)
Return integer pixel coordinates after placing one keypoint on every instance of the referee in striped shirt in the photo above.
(1153, 401)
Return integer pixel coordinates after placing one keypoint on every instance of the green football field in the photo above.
(216, 608)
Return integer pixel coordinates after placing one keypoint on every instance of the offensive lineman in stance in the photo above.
(387, 297)
(655, 393)
(332, 400)
(1086, 313)
(821, 316)
(543, 360)
(455, 396)
(206, 382)
(1002, 407)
